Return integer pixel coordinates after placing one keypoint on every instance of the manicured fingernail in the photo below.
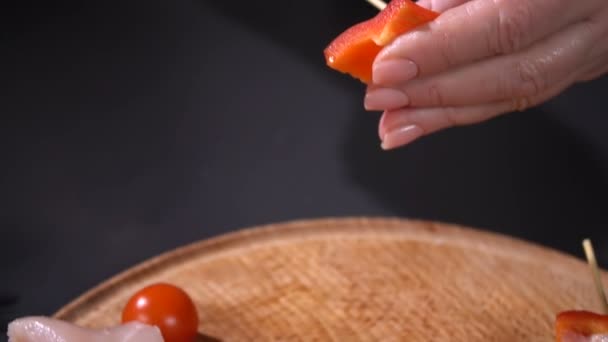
(385, 98)
(401, 136)
(381, 128)
(394, 71)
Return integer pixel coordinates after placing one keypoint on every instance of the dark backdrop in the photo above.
(130, 128)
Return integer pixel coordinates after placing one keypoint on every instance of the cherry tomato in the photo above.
(166, 306)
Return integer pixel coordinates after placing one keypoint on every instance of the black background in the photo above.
(130, 128)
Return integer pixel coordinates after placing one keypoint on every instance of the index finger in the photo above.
(472, 31)
(440, 5)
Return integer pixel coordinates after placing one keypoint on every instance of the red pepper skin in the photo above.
(580, 322)
(353, 52)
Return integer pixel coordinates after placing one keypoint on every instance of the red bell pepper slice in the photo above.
(353, 52)
(580, 322)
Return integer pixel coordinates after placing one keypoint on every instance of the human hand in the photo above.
(483, 58)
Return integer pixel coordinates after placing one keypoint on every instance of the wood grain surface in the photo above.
(359, 279)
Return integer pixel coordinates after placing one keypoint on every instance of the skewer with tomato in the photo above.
(582, 326)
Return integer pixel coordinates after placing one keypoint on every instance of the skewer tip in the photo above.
(379, 4)
(591, 260)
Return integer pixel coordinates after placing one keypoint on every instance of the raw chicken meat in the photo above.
(44, 329)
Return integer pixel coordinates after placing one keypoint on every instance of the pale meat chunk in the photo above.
(44, 329)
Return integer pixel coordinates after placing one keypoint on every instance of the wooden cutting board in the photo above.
(359, 280)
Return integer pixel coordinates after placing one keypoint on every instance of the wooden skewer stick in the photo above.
(596, 273)
(379, 4)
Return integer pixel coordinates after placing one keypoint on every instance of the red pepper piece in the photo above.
(353, 52)
(580, 322)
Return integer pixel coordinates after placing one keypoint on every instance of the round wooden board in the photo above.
(359, 280)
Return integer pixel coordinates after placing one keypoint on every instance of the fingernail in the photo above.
(381, 129)
(394, 71)
(385, 98)
(401, 136)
